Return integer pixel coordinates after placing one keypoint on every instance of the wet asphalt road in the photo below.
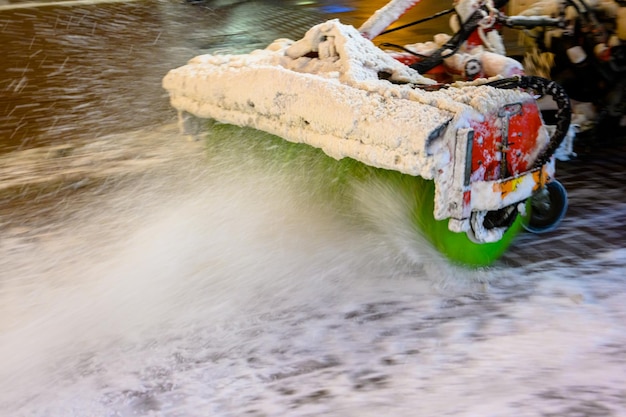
(78, 72)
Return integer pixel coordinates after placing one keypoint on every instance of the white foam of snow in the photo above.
(215, 256)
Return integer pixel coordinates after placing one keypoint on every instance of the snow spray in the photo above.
(189, 249)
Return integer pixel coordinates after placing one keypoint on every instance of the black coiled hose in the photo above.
(543, 86)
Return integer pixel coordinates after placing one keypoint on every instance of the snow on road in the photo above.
(182, 288)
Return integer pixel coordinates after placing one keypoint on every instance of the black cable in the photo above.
(417, 22)
(453, 44)
(403, 48)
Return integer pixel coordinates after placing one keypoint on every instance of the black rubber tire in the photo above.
(547, 208)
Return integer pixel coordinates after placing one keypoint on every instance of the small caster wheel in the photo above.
(547, 208)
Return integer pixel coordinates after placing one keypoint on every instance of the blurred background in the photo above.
(81, 69)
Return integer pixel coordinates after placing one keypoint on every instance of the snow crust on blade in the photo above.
(336, 91)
